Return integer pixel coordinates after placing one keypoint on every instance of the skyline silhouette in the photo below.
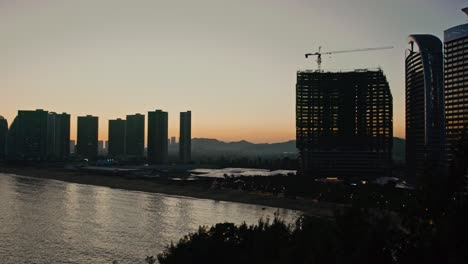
(249, 131)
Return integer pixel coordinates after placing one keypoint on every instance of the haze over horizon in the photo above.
(231, 65)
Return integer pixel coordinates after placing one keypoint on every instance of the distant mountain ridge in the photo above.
(207, 145)
(210, 146)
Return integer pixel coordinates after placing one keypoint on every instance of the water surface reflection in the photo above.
(56, 222)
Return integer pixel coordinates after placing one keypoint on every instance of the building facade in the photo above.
(135, 136)
(425, 123)
(58, 136)
(456, 97)
(116, 136)
(344, 124)
(157, 137)
(456, 87)
(185, 139)
(27, 136)
(87, 137)
(12, 144)
(3, 137)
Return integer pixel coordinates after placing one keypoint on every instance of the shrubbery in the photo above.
(356, 236)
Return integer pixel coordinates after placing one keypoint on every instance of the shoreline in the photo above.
(308, 207)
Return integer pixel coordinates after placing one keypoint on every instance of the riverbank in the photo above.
(187, 189)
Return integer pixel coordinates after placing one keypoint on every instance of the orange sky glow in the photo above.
(232, 63)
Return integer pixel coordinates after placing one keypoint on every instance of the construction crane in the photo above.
(319, 53)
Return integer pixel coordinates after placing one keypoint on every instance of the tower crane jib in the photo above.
(319, 53)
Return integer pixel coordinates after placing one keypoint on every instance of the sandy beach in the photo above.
(309, 207)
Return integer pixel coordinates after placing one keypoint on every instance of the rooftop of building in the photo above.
(341, 70)
(37, 110)
(457, 32)
(465, 10)
(157, 111)
(426, 41)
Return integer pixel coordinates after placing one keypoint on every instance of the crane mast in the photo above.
(319, 53)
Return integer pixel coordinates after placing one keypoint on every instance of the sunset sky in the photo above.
(232, 63)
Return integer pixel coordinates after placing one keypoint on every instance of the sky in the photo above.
(232, 63)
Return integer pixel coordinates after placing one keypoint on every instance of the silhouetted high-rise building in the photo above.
(58, 136)
(456, 86)
(135, 135)
(344, 123)
(87, 137)
(116, 143)
(27, 136)
(425, 125)
(157, 137)
(185, 139)
(12, 144)
(3, 137)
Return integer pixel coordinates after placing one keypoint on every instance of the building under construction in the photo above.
(344, 124)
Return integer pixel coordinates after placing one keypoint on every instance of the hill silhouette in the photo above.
(210, 146)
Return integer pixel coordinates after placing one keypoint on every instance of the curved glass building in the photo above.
(425, 134)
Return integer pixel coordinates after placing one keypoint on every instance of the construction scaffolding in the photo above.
(344, 125)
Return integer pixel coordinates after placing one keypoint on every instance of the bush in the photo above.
(356, 236)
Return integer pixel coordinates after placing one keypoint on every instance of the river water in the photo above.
(49, 221)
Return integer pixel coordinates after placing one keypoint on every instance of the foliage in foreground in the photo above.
(357, 236)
